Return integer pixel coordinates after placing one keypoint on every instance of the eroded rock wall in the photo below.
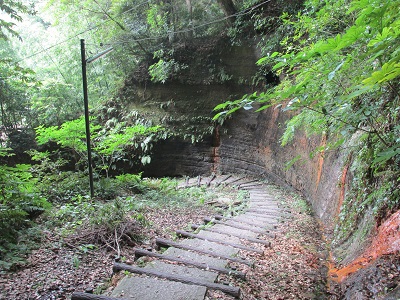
(248, 142)
(252, 145)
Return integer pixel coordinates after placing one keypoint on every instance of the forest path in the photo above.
(192, 265)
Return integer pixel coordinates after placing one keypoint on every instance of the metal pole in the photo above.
(86, 104)
(97, 56)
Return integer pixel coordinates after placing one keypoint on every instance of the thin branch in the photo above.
(117, 243)
(375, 130)
(338, 119)
(110, 17)
(394, 89)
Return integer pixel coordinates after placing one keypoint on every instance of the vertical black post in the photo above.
(86, 104)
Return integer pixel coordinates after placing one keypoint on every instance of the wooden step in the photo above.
(223, 180)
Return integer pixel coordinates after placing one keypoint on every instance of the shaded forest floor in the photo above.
(293, 268)
(56, 270)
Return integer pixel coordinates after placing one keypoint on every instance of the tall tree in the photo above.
(229, 9)
(190, 12)
(12, 9)
(14, 79)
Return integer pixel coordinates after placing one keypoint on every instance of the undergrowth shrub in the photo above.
(20, 202)
(131, 183)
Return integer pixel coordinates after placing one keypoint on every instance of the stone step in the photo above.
(259, 222)
(207, 252)
(205, 247)
(237, 225)
(228, 230)
(266, 203)
(206, 236)
(182, 275)
(186, 260)
(235, 233)
(201, 258)
(267, 219)
(145, 288)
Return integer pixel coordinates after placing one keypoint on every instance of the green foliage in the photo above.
(110, 145)
(15, 80)
(72, 214)
(13, 254)
(76, 262)
(130, 183)
(70, 134)
(61, 187)
(111, 214)
(51, 103)
(229, 107)
(12, 10)
(14, 83)
(374, 193)
(18, 189)
(161, 70)
(157, 18)
(135, 28)
(165, 68)
(132, 196)
(19, 201)
(262, 19)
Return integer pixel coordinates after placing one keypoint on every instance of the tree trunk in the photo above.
(229, 9)
(189, 8)
(190, 11)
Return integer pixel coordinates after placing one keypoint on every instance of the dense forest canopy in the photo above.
(338, 64)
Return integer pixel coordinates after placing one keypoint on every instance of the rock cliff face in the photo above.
(252, 145)
(248, 142)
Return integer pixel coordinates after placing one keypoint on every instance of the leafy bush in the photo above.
(110, 144)
(131, 183)
(63, 186)
(20, 201)
(112, 214)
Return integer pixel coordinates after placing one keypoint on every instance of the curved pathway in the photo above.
(191, 265)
